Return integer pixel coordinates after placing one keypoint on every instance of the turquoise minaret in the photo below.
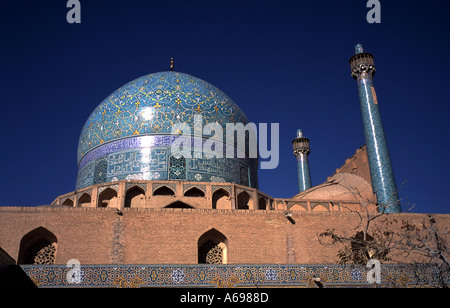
(301, 152)
(382, 175)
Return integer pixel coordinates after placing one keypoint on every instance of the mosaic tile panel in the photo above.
(243, 174)
(100, 170)
(177, 167)
(224, 187)
(147, 158)
(228, 276)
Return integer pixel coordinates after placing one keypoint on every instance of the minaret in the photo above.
(301, 152)
(382, 175)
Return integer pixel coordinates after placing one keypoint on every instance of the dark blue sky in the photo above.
(280, 61)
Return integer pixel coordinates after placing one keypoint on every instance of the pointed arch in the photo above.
(163, 191)
(68, 202)
(37, 247)
(178, 205)
(319, 208)
(212, 247)
(135, 197)
(107, 198)
(243, 201)
(220, 199)
(84, 200)
(262, 203)
(298, 207)
(194, 192)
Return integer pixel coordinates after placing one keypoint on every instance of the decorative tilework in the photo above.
(223, 275)
(381, 172)
(382, 176)
(114, 187)
(86, 176)
(243, 174)
(304, 176)
(140, 185)
(87, 191)
(148, 159)
(100, 171)
(177, 167)
(172, 186)
(152, 104)
(128, 136)
(224, 187)
(186, 187)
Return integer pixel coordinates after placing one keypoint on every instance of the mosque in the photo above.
(142, 215)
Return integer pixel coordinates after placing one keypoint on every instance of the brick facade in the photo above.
(170, 236)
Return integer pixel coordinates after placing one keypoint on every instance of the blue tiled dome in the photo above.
(152, 104)
(140, 115)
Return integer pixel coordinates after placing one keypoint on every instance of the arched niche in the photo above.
(163, 191)
(37, 247)
(107, 198)
(194, 192)
(135, 197)
(243, 201)
(221, 199)
(212, 248)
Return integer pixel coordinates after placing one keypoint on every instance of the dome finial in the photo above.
(171, 64)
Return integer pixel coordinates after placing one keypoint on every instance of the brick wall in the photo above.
(170, 236)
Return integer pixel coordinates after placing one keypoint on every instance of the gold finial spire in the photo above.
(171, 64)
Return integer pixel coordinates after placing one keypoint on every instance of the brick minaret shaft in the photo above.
(301, 152)
(382, 175)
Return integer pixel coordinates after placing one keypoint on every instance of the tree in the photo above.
(422, 248)
(359, 247)
(426, 244)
